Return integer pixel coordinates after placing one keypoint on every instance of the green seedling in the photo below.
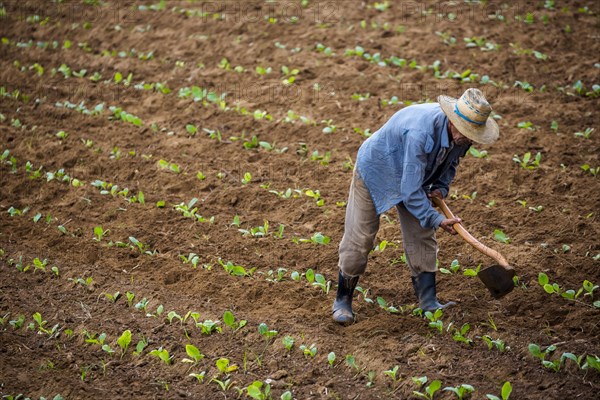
(387, 307)
(19, 264)
(259, 231)
(91, 338)
(124, 341)
(255, 390)
(83, 282)
(481, 43)
(316, 238)
(41, 324)
(490, 323)
(229, 320)
(17, 323)
(224, 385)
(288, 342)
(113, 297)
(192, 314)
(108, 349)
(162, 354)
(329, 126)
(460, 391)
(322, 283)
(192, 258)
(430, 389)
(295, 276)
(585, 134)
(365, 294)
(276, 276)
(351, 362)
(310, 275)
(140, 346)
(459, 335)
(528, 163)
(263, 329)
(361, 97)
(434, 319)
(208, 327)
(544, 281)
(189, 211)
(477, 153)
(593, 171)
(191, 129)
(263, 71)
(165, 165)
(16, 212)
(589, 288)
(159, 310)
(393, 373)
(130, 297)
(501, 237)
(62, 135)
(247, 178)
(506, 391)
(331, 359)
(592, 361)
(224, 366)
(454, 267)
(199, 377)
(40, 264)
(309, 351)
(171, 315)
(498, 343)
(99, 233)
(142, 248)
(195, 355)
(287, 194)
(119, 113)
(142, 304)
(316, 195)
(236, 270)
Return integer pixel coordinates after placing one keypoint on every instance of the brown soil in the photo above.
(40, 364)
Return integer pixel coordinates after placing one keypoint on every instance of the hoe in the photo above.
(498, 278)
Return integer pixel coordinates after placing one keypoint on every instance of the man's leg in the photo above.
(360, 228)
(421, 248)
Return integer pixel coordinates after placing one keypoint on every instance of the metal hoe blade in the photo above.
(498, 280)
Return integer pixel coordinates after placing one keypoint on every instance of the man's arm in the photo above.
(445, 179)
(413, 173)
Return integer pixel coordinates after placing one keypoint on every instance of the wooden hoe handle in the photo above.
(467, 236)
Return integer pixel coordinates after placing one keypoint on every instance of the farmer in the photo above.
(410, 160)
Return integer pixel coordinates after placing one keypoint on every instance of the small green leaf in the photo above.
(506, 390)
(124, 340)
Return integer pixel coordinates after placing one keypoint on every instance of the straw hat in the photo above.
(470, 115)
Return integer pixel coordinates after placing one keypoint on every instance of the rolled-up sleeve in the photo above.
(414, 197)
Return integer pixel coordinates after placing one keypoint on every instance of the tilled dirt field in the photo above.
(153, 122)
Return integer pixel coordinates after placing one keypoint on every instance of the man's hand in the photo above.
(437, 193)
(447, 225)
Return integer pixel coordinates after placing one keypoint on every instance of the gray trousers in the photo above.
(360, 229)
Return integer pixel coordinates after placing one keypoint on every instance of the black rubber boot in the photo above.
(342, 306)
(415, 286)
(428, 301)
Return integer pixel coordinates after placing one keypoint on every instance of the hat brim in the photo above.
(484, 134)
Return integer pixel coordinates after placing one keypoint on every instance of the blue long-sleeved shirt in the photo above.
(407, 157)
